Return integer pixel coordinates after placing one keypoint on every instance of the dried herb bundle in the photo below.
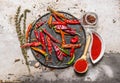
(20, 34)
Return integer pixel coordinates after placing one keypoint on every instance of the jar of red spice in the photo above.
(89, 19)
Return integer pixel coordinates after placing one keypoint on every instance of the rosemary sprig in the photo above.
(20, 35)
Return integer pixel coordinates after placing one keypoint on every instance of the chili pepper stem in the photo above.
(78, 34)
(65, 51)
(71, 60)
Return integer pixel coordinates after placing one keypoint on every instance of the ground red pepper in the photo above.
(80, 66)
(91, 19)
(96, 47)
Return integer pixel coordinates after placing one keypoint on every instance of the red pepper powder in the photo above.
(96, 47)
(81, 65)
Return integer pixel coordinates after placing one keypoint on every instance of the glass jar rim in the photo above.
(92, 14)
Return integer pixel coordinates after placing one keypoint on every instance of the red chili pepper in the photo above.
(58, 23)
(50, 21)
(71, 31)
(58, 51)
(64, 54)
(28, 31)
(33, 44)
(51, 37)
(56, 18)
(40, 51)
(36, 33)
(62, 27)
(71, 45)
(74, 39)
(49, 45)
(72, 21)
(63, 37)
(42, 39)
(56, 13)
(39, 24)
(58, 31)
(72, 51)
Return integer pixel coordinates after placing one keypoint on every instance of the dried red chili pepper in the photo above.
(36, 33)
(40, 51)
(42, 39)
(39, 24)
(72, 51)
(51, 37)
(58, 52)
(50, 21)
(28, 31)
(49, 45)
(63, 37)
(56, 18)
(71, 31)
(58, 23)
(64, 54)
(74, 40)
(62, 27)
(71, 45)
(64, 50)
(68, 21)
(56, 13)
(58, 31)
(33, 44)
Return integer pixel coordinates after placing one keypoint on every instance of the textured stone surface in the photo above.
(108, 70)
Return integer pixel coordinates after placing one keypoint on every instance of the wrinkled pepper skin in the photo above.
(72, 21)
(33, 44)
(42, 39)
(71, 45)
(74, 40)
(59, 53)
(51, 37)
(40, 51)
(49, 45)
(50, 21)
(28, 31)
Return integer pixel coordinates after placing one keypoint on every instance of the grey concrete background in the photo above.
(108, 70)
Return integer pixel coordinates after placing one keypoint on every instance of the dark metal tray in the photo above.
(55, 62)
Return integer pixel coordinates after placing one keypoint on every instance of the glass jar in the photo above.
(89, 19)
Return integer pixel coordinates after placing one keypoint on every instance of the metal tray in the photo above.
(55, 62)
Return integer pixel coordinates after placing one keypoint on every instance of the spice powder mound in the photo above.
(81, 65)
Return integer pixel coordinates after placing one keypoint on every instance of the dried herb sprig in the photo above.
(24, 20)
(20, 35)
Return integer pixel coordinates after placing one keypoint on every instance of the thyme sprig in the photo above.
(20, 34)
